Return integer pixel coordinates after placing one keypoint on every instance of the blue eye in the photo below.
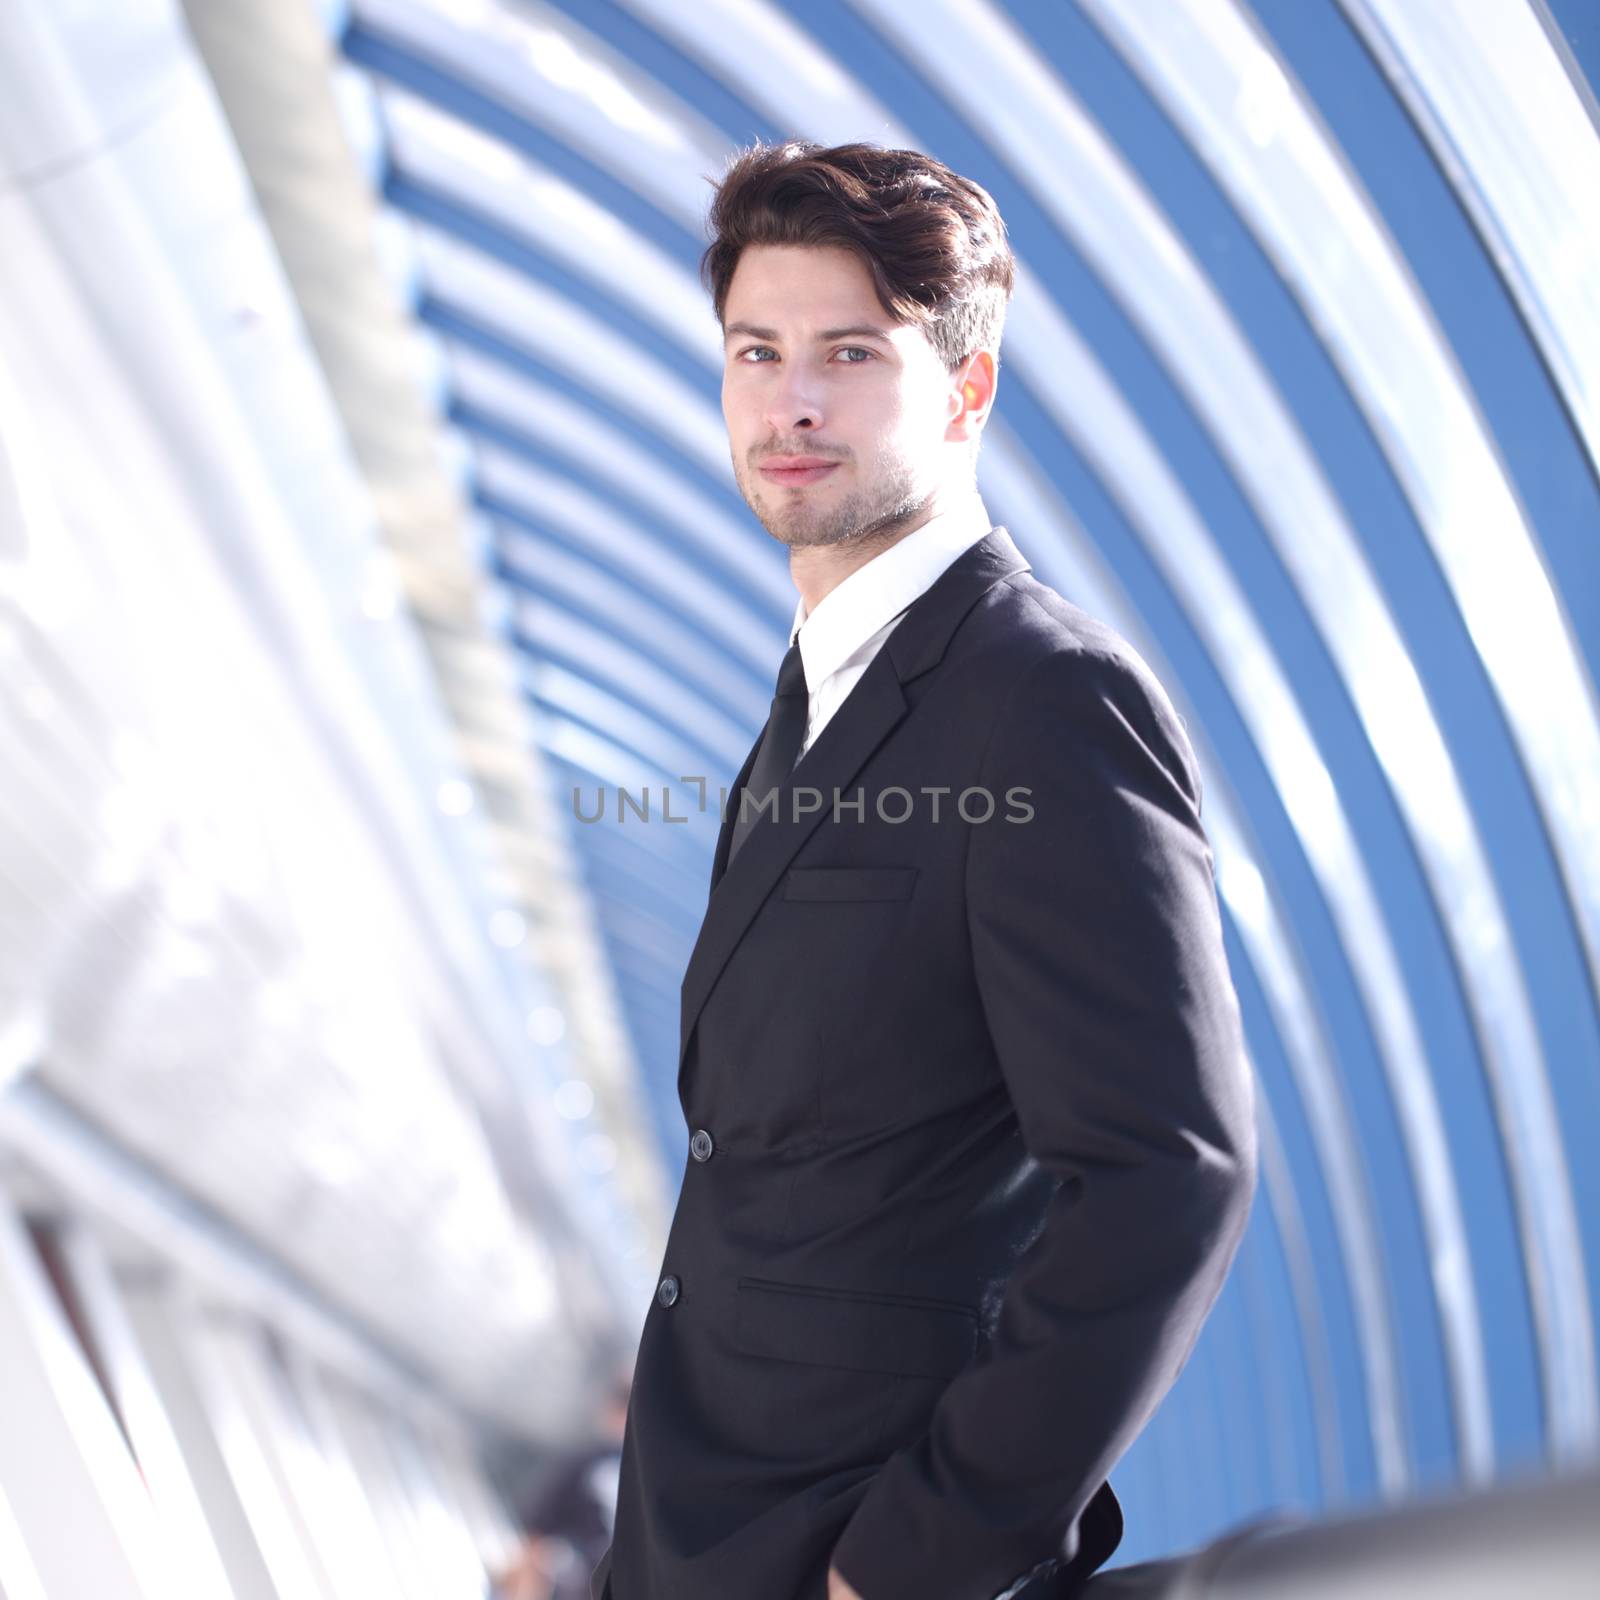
(765, 350)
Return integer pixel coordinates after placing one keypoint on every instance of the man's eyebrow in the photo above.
(863, 330)
(858, 331)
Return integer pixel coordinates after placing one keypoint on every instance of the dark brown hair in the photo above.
(933, 241)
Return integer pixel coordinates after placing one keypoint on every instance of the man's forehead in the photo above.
(804, 288)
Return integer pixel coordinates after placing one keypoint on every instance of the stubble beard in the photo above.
(893, 500)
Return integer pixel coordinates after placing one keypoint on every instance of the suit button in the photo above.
(700, 1146)
(667, 1291)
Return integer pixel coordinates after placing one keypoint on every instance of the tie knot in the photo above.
(792, 674)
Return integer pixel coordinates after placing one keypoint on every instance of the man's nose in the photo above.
(795, 403)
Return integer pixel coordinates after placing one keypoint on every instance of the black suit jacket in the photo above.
(972, 1135)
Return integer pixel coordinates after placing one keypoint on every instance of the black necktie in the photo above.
(786, 728)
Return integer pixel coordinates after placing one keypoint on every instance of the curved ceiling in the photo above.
(1301, 394)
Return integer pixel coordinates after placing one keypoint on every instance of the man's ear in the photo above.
(972, 395)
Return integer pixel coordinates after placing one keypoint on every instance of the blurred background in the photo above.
(367, 529)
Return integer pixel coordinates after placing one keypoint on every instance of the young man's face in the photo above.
(841, 423)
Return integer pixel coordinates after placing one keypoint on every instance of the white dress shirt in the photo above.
(839, 639)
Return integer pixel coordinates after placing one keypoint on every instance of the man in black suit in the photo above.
(970, 1123)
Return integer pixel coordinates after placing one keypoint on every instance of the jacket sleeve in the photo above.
(1098, 955)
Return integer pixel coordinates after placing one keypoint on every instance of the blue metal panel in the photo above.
(1562, 499)
(1287, 345)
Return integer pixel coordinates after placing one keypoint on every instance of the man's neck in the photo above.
(819, 569)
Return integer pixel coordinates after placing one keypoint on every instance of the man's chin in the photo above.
(809, 524)
(800, 532)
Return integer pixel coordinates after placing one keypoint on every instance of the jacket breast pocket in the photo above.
(897, 1335)
(849, 883)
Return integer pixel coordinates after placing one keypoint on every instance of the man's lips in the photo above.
(796, 469)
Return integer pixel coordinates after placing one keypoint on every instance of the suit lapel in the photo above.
(719, 862)
(869, 713)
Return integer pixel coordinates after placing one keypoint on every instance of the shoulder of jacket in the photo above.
(1031, 624)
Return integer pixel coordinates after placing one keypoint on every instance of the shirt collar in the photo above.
(875, 593)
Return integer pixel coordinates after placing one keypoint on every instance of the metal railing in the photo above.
(1531, 1540)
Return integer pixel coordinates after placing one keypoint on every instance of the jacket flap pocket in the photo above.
(849, 883)
(849, 1328)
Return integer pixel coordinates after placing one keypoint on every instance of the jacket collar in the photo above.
(881, 589)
